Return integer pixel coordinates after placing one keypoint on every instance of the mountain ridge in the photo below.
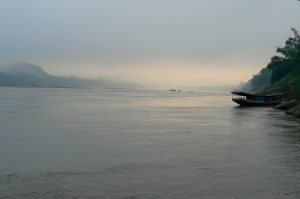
(23, 74)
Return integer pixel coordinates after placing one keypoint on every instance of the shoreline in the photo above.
(291, 107)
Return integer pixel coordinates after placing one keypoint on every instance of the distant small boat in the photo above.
(174, 90)
(248, 99)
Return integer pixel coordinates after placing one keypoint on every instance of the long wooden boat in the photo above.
(248, 99)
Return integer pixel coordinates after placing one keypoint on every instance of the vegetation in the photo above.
(282, 74)
(288, 60)
(258, 82)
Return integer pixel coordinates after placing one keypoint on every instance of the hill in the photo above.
(282, 75)
(30, 75)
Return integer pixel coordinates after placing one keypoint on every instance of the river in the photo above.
(128, 144)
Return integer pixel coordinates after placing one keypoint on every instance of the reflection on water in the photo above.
(73, 143)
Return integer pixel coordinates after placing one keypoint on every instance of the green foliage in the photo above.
(282, 74)
(287, 63)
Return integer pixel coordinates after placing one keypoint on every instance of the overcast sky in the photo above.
(162, 43)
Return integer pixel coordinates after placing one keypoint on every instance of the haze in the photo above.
(157, 43)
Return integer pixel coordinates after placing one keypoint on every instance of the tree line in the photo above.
(287, 62)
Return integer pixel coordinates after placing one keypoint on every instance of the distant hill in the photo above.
(258, 82)
(30, 75)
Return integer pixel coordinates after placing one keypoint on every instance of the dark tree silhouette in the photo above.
(288, 60)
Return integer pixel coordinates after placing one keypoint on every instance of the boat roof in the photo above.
(251, 94)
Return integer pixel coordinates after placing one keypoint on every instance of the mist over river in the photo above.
(128, 144)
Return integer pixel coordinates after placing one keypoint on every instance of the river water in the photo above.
(126, 144)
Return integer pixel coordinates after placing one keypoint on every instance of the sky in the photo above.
(157, 43)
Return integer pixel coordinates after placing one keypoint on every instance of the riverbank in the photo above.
(291, 107)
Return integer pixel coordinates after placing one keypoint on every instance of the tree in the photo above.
(288, 59)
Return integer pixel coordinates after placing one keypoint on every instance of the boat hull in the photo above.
(246, 102)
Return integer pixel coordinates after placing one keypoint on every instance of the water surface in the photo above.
(76, 143)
